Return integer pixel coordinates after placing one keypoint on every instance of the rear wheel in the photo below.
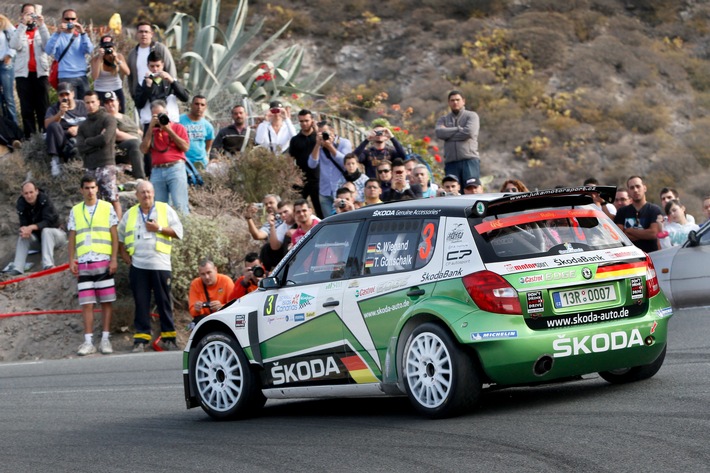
(637, 373)
(225, 384)
(440, 378)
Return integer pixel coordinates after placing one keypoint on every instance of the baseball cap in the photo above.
(64, 88)
(473, 182)
(276, 104)
(450, 177)
(110, 96)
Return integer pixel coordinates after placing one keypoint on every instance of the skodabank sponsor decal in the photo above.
(580, 259)
(601, 342)
(304, 370)
(480, 336)
(387, 309)
(445, 274)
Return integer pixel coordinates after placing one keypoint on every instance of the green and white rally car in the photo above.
(433, 299)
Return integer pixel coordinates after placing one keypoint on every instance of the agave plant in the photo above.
(217, 66)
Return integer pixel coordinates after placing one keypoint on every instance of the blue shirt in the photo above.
(330, 174)
(73, 64)
(199, 132)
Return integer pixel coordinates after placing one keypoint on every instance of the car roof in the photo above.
(480, 205)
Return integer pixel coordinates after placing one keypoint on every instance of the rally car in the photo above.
(434, 299)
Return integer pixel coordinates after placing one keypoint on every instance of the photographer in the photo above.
(62, 124)
(400, 188)
(251, 275)
(72, 38)
(344, 201)
(108, 68)
(208, 292)
(167, 142)
(158, 84)
(449, 186)
(373, 150)
(328, 156)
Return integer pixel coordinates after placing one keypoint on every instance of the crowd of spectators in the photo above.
(90, 124)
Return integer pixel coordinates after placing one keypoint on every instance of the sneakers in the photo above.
(105, 347)
(138, 348)
(15, 272)
(86, 348)
(56, 168)
(168, 345)
(47, 266)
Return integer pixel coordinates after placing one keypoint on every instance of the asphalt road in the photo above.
(126, 413)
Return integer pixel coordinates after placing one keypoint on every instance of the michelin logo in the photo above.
(480, 336)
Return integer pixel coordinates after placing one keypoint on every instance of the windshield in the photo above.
(547, 232)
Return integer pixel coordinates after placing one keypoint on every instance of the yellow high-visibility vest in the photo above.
(93, 232)
(163, 243)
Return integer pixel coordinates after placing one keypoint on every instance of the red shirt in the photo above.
(164, 150)
(32, 63)
(240, 290)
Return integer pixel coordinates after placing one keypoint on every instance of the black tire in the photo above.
(225, 384)
(637, 373)
(440, 378)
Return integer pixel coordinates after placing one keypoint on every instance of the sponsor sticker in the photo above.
(445, 274)
(299, 317)
(637, 288)
(535, 302)
(565, 346)
(480, 336)
(455, 234)
(664, 312)
(587, 273)
(365, 291)
(240, 321)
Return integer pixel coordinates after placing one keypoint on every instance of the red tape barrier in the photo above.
(38, 274)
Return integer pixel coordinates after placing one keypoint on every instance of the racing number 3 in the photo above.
(269, 305)
(428, 235)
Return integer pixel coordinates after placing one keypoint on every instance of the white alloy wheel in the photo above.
(219, 375)
(428, 370)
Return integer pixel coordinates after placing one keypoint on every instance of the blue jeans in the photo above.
(171, 182)
(7, 80)
(326, 205)
(464, 170)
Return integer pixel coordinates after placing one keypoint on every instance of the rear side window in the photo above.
(546, 232)
(398, 245)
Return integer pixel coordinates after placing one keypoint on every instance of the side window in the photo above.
(398, 245)
(705, 238)
(323, 257)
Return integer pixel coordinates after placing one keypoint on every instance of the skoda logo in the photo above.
(587, 273)
(480, 208)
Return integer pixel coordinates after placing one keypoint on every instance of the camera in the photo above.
(152, 76)
(70, 26)
(108, 50)
(163, 119)
(64, 100)
(34, 16)
(342, 203)
(205, 305)
(379, 133)
(257, 271)
(326, 136)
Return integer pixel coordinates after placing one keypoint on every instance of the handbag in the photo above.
(54, 68)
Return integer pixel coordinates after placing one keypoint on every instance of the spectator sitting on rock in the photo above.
(62, 123)
(39, 227)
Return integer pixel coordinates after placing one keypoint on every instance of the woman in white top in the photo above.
(277, 130)
(108, 67)
(675, 231)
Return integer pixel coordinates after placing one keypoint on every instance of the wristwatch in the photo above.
(160, 229)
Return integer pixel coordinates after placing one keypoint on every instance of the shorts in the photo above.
(96, 284)
(106, 180)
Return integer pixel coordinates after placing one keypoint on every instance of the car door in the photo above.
(300, 329)
(689, 276)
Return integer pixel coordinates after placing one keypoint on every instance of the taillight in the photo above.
(492, 293)
(652, 286)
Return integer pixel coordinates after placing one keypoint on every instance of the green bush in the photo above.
(544, 47)
(638, 116)
(258, 172)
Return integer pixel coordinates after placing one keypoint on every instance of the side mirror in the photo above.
(269, 283)
(693, 238)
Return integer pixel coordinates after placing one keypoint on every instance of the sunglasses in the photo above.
(382, 171)
(69, 19)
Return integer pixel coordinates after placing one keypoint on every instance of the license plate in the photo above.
(588, 295)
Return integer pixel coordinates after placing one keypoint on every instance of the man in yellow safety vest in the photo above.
(145, 235)
(93, 257)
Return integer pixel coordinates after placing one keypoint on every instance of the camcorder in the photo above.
(257, 271)
(325, 135)
(163, 119)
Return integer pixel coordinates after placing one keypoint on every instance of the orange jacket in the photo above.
(220, 291)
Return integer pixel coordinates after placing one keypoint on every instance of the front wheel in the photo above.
(441, 380)
(225, 384)
(637, 373)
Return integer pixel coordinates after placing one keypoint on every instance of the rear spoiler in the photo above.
(544, 198)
